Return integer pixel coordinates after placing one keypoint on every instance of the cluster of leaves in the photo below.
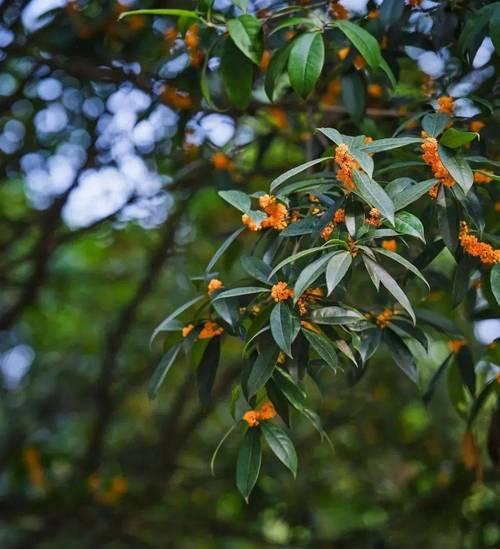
(284, 342)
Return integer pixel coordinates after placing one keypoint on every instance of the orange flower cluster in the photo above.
(473, 246)
(339, 217)
(374, 217)
(307, 298)
(390, 245)
(277, 215)
(415, 3)
(170, 36)
(177, 99)
(214, 285)
(221, 161)
(338, 10)
(111, 495)
(265, 412)
(384, 318)
(264, 61)
(482, 177)
(332, 92)
(210, 329)
(476, 126)
(188, 328)
(31, 458)
(192, 41)
(359, 63)
(454, 345)
(446, 105)
(281, 292)
(373, 14)
(346, 164)
(375, 91)
(431, 157)
(278, 117)
(343, 53)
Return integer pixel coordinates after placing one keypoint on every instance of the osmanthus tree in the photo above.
(344, 252)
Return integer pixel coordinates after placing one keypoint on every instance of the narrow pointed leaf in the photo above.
(323, 346)
(162, 370)
(370, 191)
(248, 464)
(280, 443)
(261, 370)
(305, 62)
(294, 171)
(336, 269)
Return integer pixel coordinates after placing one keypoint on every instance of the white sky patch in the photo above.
(355, 7)
(33, 14)
(484, 53)
(487, 330)
(465, 108)
(434, 63)
(218, 128)
(14, 364)
(470, 82)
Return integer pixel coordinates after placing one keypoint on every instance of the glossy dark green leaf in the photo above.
(166, 324)
(391, 11)
(336, 316)
(235, 292)
(458, 167)
(401, 354)
(281, 445)
(407, 223)
(402, 261)
(249, 461)
(373, 194)
(256, 268)
(224, 246)
(495, 27)
(381, 145)
(454, 138)
(284, 327)
(448, 219)
(437, 321)
(310, 274)
(261, 370)
(238, 199)
(295, 171)
(431, 387)
(323, 346)
(237, 75)
(435, 123)
(466, 367)
(495, 282)
(412, 193)
(362, 40)
(246, 34)
(461, 279)
(305, 62)
(276, 68)
(162, 370)
(207, 370)
(336, 269)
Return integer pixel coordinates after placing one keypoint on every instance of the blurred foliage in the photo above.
(110, 168)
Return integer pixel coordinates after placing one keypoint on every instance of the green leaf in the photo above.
(237, 75)
(392, 287)
(224, 246)
(435, 123)
(292, 22)
(407, 223)
(207, 370)
(167, 12)
(495, 28)
(437, 321)
(401, 260)
(286, 385)
(461, 279)
(458, 167)
(454, 138)
(257, 269)
(219, 446)
(448, 218)
(165, 325)
(354, 94)
(333, 135)
(242, 4)
(310, 274)
(305, 62)
(249, 461)
(294, 171)
(261, 370)
(162, 370)
(336, 316)
(482, 397)
(280, 443)
(465, 363)
(284, 327)
(431, 387)
(245, 290)
(362, 40)
(388, 71)
(245, 32)
(401, 354)
(336, 269)
(495, 282)
(275, 70)
(323, 346)
(381, 145)
(412, 193)
(238, 199)
(373, 194)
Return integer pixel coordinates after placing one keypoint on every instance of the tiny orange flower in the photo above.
(359, 62)
(220, 161)
(339, 216)
(454, 345)
(281, 292)
(188, 328)
(338, 10)
(264, 60)
(247, 220)
(390, 245)
(214, 285)
(482, 177)
(476, 126)
(252, 418)
(446, 105)
(343, 53)
(373, 14)
(346, 165)
(384, 318)
(210, 329)
(267, 411)
(375, 91)
(374, 218)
